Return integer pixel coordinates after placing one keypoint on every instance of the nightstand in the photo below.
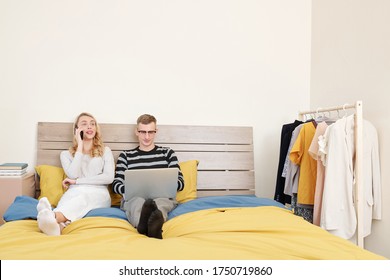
(11, 187)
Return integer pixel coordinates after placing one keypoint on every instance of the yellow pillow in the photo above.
(51, 178)
(190, 174)
(50, 182)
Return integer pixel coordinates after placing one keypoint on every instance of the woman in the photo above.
(89, 167)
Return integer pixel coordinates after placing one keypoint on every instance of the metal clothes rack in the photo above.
(358, 130)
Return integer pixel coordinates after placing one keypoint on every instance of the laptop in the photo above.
(151, 183)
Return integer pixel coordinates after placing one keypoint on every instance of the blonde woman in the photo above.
(89, 167)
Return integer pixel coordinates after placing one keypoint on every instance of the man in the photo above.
(148, 216)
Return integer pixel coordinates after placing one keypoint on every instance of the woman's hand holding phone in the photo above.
(79, 138)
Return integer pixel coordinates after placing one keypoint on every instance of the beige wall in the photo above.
(351, 61)
(188, 62)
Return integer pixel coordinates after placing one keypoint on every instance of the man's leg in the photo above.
(159, 216)
(133, 208)
(147, 209)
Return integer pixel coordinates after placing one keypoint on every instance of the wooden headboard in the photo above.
(225, 153)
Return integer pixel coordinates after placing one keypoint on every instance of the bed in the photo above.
(218, 218)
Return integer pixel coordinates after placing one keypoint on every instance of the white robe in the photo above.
(338, 214)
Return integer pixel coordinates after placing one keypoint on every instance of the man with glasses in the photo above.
(148, 215)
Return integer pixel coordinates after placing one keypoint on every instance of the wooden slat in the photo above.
(63, 145)
(60, 146)
(48, 157)
(229, 180)
(210, 148)
(220, 161)
(202, 193)
(204, 134)
(54, 132)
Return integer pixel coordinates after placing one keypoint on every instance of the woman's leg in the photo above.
(61, 220)
(47, 222)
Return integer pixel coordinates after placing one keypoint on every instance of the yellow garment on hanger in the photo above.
(308, 166)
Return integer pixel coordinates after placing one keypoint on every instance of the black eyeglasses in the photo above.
(144, 132)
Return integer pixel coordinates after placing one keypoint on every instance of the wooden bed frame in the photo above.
(225, 153)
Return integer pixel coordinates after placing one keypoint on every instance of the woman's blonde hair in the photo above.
(97, 145)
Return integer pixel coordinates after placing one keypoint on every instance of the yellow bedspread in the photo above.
(235, 233)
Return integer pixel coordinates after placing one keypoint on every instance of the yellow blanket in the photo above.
(231, 233)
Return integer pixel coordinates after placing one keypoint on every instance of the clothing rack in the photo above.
(358, 132)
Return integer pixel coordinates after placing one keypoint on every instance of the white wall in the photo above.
(211, 62)
(350, 62)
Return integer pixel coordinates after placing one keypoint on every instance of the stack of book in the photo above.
(13, 169)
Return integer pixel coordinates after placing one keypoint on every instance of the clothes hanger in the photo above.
(324, 118)
(320, 117)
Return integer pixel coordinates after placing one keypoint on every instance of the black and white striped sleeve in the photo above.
(174, 162)
(118, 185)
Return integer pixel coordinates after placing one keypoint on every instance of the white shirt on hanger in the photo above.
(338, 214)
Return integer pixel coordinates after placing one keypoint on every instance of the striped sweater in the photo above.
(159, 157)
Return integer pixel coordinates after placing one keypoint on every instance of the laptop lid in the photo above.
(151, 183)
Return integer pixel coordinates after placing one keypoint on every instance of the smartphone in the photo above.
(81, 133)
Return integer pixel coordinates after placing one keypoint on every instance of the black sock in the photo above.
(147, 209)
(155, 224)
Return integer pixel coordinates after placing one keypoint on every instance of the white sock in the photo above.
(47, 222)
(43, 203)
